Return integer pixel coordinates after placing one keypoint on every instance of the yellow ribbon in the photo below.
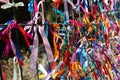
(41, 76)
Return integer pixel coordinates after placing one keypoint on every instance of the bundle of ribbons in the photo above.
(86, 49)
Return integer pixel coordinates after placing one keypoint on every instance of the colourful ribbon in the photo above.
(45, 42)
(17, 55)
(9, 42)
(53, 71)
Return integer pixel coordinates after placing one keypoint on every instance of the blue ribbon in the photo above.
(48, 69)
(83, 56)
(101, 37)
(118, 9)
(87, 78)
(79, 54)
(114, 68)
(103, 27)
(61, 13)
(86, 5)
(100, 5)
(95, 47)
(31, 6)
(7, 23)
(86, 43)
(31, 47)
(46, 31)
(17, 52)
(62, 78)
(92, 61)
(98, 72)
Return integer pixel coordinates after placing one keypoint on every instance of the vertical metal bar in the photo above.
(56, 14)
(14, 10)
(73, 13)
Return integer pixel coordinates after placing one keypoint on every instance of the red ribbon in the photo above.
(57, 2)
(25, 35)
(4, 75)
(95, 75)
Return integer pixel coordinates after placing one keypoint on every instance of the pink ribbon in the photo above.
(74, 22)
(34, 53)
(46, 45)
(7, 49)
(35, 6)
(8, 46)
(74, 52)
(4, 1)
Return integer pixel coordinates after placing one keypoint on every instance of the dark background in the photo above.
(22, 13)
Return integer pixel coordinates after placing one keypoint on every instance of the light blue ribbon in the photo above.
(61, 13)
(84, 58)
(31, 6)
(46, 30)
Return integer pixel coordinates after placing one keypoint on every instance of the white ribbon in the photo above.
(42, 69)
(15, 69)
(16, 75)
(9, 5)
(20, 77)
(71, 3)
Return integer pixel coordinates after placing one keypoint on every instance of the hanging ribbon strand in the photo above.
(84, 46)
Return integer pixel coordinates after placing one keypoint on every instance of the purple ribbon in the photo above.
(34, 54)
(46, 45)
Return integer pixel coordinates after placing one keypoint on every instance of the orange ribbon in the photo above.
(57, 2)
